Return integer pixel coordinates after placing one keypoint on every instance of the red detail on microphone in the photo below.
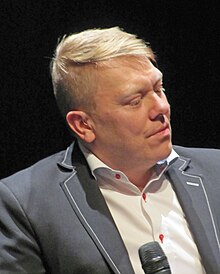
(161, 237)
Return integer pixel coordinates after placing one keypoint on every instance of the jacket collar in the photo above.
(90, 207)
(190, 188)
(66, 161)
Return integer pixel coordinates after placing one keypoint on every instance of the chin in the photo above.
(164, 151)
(168, 150)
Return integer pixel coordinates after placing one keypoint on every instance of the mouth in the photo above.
(163, 131)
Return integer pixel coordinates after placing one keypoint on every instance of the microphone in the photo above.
(153, 259)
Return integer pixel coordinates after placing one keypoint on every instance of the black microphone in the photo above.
(153, 259)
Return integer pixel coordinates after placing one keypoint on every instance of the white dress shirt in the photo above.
(153, 214)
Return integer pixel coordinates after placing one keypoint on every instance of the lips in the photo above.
(162, 131)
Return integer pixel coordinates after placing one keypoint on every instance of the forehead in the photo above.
(122, 72)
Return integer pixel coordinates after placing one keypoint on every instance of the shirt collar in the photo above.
(95, 163)
(170, 159)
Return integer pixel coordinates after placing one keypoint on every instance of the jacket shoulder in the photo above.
(204, 155)
(192, 150)
(42, 171)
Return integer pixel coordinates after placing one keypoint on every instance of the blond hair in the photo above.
(78, 55)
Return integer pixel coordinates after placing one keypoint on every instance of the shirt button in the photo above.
(117, 176)
(144, 196)
(161, 237)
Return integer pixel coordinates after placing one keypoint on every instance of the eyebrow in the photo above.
(159, 78)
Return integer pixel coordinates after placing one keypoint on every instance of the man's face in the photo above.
(132, 115)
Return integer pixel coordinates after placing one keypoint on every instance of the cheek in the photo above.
(134, 125)
(122, 123)
(106, 123)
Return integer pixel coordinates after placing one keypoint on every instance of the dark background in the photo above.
(184, 35)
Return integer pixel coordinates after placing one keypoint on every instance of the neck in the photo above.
(138, 178)
(138, 173)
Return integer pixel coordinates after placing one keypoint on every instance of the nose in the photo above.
(159, 107)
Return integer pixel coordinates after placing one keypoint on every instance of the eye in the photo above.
(135, 102)
(160, 90)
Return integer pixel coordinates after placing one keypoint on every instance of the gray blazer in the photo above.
(54, 219)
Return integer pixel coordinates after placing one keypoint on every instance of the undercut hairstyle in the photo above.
(77, 58)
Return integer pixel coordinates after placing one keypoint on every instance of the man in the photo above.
(120, 184)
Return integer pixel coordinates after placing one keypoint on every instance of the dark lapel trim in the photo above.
(195, 201)
(89, 205)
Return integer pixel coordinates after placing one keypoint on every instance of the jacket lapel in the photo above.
(89, 205)
(195, 201)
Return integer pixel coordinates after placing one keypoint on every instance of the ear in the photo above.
(81, 124)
